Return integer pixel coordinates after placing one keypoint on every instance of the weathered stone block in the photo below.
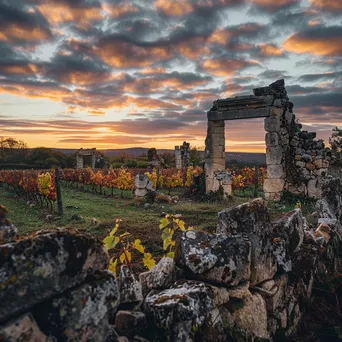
(291, 228)
(276, 111)
(252, 316)
(162, 276)
(252, 220)
(274, 155)
(272, 139)
(8, 232)
(315, 188)
(272, 196)
(272, 124)
(289, 117)
(80, 314)
(39, 267)
(218, 258)
(274, 185)
(129, 323)
(186, 301)
(130, 289)
(23, 329)
(276, 294)
(275, 172)
(310, 166)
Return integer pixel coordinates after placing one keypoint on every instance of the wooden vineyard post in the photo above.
(58, 192)
(256, 181)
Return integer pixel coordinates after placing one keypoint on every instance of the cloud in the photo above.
(331, 6)
(273, 6)
(317, 40)
(226, 66)
(22, 26)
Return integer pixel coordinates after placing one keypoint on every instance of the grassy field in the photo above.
(81, 207)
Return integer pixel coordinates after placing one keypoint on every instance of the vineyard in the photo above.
(39, 185)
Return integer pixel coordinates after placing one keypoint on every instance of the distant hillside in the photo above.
(240, 157)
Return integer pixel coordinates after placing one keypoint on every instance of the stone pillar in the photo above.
(277, 143)
(93, 160)
(79, 161)
(178, 157)
(215, 159)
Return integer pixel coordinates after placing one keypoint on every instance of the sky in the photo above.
(143, 73)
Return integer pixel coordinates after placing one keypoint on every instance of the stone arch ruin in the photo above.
(90, 154)
(295, 161)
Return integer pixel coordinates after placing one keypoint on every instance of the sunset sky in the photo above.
(116, 74)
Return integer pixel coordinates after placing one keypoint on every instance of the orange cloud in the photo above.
(59, 13)
(84, 77)
(117, 10)
(274, 5)
(96, 112)
(327, 5)
(121, 54)
(20, 69)
(30, 34)
(174, 8)
(320, 41)
(270, 50)
(224, 67)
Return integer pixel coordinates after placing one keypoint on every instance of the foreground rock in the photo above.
(8, 232)
(83, 313)
(215, 258)
(45, 265)
(252, 220)
(176, 311)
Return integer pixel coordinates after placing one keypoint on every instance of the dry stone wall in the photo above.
(251, 280)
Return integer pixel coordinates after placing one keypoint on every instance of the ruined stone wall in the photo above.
(249, 281)
(310, 168)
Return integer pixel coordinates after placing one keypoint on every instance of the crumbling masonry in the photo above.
(295, 161)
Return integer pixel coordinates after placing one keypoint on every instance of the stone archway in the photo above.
(91, 153)
(271, 103)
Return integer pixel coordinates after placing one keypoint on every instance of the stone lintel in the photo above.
(250, 113)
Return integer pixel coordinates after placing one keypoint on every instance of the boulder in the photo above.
(251, 317)
(41, 266)
(162, 276)
(80, 314)
(218, 258)
(129, 287)
(252, 221)
(23, 329)
(174, 312)
(8, 232)
(331, 203)
(129, 323)
(291, 228)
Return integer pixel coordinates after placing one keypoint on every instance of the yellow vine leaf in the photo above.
(163, 223)
(114, 230)
(138, 246)
(125, 256)
(171, 254)
(180, 224)
(168, 242)
(148, 261)
(112, 266)
(110, 242)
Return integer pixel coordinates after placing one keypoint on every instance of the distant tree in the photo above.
(12, 150)
(196, 156)
(169, 158)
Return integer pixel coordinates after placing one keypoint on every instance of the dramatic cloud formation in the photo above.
(112, 73)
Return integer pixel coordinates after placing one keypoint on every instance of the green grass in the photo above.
(142, 223)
